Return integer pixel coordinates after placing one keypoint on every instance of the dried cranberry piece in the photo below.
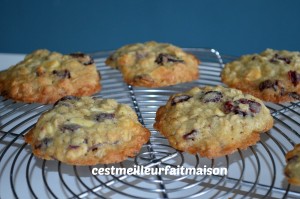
(47, 141)
(66, 98)
(238, 111)
(294, 95)
(100, 117)
(73, 146)
(94, 147)
(287, 174)
(44, 143)
(62, 74)
(294, 77)
(83, 58)
(274, 59)
(69, 127)
(233, 106)
(293, 159)
(229, 106)
(276, 85)
(69, 97)
(164, 58)
(254, 106)
(39, 73)
(266, 84)
(212, 96)
(277, 57)
(38, 145)
(285, 59)
(191, 135)
(179, 99)
(141, 54)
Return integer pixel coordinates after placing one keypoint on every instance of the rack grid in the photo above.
(253, 173)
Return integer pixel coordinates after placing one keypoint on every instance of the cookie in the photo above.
(87, 131)
(153, 64)
(45, 77)
(271, 75)
(212, 121)
(292, 169)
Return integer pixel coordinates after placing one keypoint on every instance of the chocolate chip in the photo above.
(294, 77)
(191, 135)
(293, 159)
(179, 99)
(62, 74)
(164, 58)
(69, 127)
(294, 95)
(66, 98)
(100, 117)
(83, 58)
(212, 96)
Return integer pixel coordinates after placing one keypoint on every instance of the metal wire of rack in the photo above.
(253, 173)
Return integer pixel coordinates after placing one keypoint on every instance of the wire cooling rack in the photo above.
(253, 173)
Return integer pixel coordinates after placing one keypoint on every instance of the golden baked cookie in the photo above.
(153, 64)
(45, 77)
(212, 121)
(87, 131)
(271, 75)
(292, 169)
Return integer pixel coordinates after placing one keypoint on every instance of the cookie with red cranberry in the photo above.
(45, 77)
(212, 121)
(292, 169)
(87, 131)
(271, 75)
(153, 64)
